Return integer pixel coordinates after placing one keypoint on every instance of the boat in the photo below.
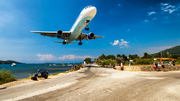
(13, 64)
(69, 64)
(62, 64)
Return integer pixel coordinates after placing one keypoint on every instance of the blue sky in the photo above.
(129, 27)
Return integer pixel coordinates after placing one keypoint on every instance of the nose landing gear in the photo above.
(80, 43)
(87, 21)
(64, 42)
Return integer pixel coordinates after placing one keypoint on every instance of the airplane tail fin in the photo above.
(62, 42)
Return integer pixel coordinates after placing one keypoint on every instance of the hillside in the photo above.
(173, 50)
(9, 62)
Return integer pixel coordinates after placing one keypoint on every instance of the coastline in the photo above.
(28, 80)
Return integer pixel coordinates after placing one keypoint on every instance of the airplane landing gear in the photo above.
(87, 29)
(64, 42)
(80, 43)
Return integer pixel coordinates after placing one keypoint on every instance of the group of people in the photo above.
(159, 63)
(121, 66)
(172, 63)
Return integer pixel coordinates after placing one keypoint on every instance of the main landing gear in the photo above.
(80, 43)
(87, 21)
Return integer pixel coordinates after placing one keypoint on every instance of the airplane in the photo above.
(86, 15)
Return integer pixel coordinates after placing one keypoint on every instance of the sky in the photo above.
(129, 27)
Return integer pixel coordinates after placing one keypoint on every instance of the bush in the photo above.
(177, 62)
(108, 61)
(141, 61)
(78, 67)
(5, 76)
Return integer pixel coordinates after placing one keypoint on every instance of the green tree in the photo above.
(102, 57)
(119, 59)
(145, 55)
(87, 60)
(159, 55)
(124, 57)
(134, 56)
(110, 57)
(165, 54)
(130, 56)
(118, 55)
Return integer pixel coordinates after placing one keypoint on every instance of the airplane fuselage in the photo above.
(87, 14)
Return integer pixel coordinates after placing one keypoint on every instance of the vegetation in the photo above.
(78, 67)
(147, 59)
(173, 50)
(5, 76)
(30, 76)
(9, 62)
(87, 60)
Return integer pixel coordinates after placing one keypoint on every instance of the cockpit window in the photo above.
(88, 7)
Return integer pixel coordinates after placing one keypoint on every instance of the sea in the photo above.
(21, 71)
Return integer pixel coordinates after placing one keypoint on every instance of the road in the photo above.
(94, 83)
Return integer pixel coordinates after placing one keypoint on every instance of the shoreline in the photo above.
(28, 80)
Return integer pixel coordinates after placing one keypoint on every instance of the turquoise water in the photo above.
(24, 70)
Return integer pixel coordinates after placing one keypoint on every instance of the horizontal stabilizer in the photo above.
(62, 42)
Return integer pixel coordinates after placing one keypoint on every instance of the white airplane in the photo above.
(86, 15)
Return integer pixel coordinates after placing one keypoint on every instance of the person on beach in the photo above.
(114, 66)
(129, 63)
(173, 63)
(159, 63)
(121, 66)
(162, 65)
(155, 66)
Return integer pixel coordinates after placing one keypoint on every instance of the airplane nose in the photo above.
(93, 11)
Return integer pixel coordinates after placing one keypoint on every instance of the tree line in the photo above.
(137, 60)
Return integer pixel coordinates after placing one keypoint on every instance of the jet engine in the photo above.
(59, 33)
(90, 36)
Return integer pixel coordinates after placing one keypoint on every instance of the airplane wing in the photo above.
(66, 34)
(84, 36)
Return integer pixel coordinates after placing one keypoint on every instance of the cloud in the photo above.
(70, 57)
(46, 57)
(146, 20)
(116, 42)
(163, 10)
(123, 43)
(166, 7)
(154, 18)
(50, 57)
(151, 50)
(150, 13)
